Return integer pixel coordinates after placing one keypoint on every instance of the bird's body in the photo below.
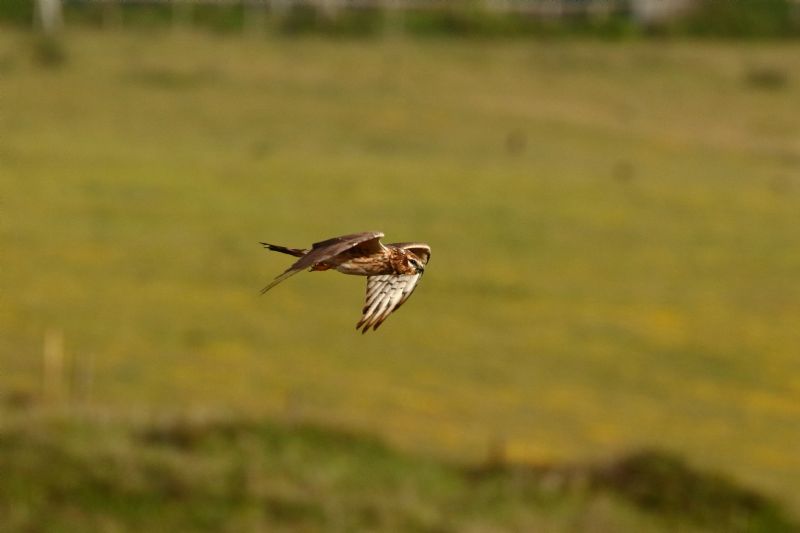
(392, 270)
(386, 262)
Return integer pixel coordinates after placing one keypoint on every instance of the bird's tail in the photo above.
(297, 252)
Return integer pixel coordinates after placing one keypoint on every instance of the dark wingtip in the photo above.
(359, 326)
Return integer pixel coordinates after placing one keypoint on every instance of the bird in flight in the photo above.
(392, 270)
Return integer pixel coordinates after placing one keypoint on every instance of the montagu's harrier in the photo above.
(392, 270)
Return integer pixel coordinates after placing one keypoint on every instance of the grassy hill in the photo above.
(219, 474)
(614, 233)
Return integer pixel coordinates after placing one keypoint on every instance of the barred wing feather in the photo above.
(385, 294)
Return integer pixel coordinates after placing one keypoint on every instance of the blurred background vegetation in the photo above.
(606, 338)
(484, 18)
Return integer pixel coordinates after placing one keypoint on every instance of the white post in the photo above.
(50, 15)
(53, 366)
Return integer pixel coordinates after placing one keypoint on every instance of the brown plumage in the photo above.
(392, 270)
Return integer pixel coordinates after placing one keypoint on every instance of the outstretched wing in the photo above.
(367, 242)
(385, 294)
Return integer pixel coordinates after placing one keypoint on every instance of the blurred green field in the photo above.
(614, 231)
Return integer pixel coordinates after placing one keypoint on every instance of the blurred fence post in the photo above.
(53, 366)
(49, 15)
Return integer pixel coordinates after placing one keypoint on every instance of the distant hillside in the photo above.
(69, 474)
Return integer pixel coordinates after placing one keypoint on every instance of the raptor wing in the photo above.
(385, 294)
(367, 241)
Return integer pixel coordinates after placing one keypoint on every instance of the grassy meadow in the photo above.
(615, 231)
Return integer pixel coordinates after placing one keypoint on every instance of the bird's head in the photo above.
(415, 263)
